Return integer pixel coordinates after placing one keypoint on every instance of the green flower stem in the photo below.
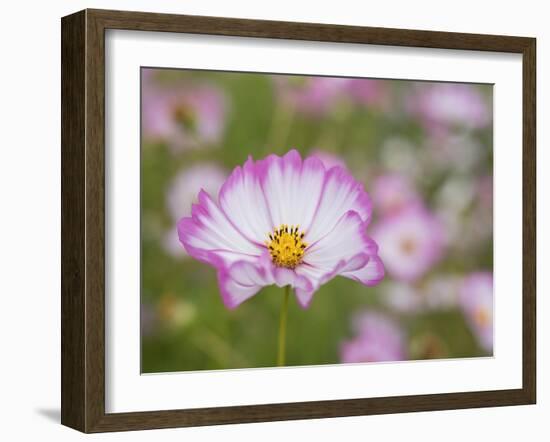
(282, 328)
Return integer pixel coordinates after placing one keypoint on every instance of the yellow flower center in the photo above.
(286, 246)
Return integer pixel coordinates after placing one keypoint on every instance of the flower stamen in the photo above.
(286, 246)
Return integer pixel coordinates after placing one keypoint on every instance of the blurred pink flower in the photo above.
(368, 91)
(329, 159)
(392, 193)
(378, 339)
(411, 242)
(476, 299)
(283, 221)
(450, 104)
(311, 95)
(183, 117)
(181, 195)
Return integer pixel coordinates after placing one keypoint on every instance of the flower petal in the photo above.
(341, 193)
(292, 188)
(243, 279)
(347, 239)
(304, 297)
(242, 200)
(208, 235)
(239, 283)
(370, 275)
(320, 276)
(346, 250)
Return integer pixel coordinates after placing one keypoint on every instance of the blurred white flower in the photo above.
(400, 156)
(460, 153)
(441, 292)
(182, 194)
(401, 297)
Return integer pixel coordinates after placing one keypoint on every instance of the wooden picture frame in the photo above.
(83, 220)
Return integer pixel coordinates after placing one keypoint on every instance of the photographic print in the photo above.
(291, 220)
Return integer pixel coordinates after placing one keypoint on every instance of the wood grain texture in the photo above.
(73, 254)
(83, 220)
(529, 220)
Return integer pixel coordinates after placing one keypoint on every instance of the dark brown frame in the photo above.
(83, 217)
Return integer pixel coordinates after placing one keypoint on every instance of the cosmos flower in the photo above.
(181, 195)
(313, 96)
(476, 299)
(391, 193)
(411, 241)
(183, 117)
(378, 339)
(450, 104)
(283, 221)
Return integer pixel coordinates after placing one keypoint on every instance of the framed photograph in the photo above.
(268, 220)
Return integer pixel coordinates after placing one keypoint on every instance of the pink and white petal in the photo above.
(347, 239)
(220, 259)
(304, 297)
(292, 188)
(307, 194)
(208, 229)
(233, 293)
(341, 194)
(249, 273)
(363, 268)
(242, 200)
(244, 279)
(346, 251)
(279, 175)
(370, 275)
(283, 277)
(319, 276)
